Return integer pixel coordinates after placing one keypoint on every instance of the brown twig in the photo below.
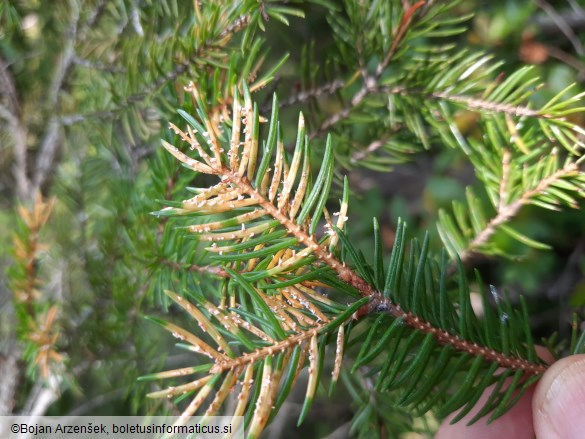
(42, 329)
(379, 302)
(370, 149)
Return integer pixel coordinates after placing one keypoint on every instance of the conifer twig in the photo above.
(380, 303)
(399, 35)
(371, 82)
(506, 211)
(304, 96)
(345, 273)
(496, 107)
(42, 331)
(370, 149)
(179, 69)
(472, 103)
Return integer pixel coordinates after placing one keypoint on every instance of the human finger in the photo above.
(559, 400)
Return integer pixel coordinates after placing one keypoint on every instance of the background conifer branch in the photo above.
(306, 95)
(507, 211)
(371, 81)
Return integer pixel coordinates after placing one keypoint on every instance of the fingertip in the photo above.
(559, 400)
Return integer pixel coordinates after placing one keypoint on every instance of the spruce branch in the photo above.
(208, 49)
(475, 104)
(260, 222)
(400, 32)
(371, 82)
(465, 83)
(269, 249)
(209, 46)
(519, 164)
(471, 103)
(507, 211)
(27, 247)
